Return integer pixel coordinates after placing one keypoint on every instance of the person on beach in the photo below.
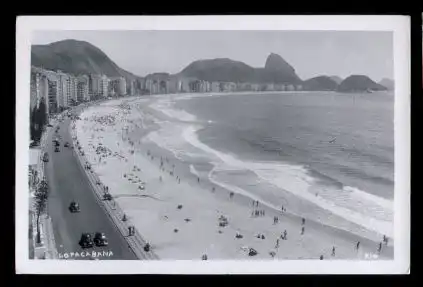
(333, 251)
(303, 221)
(358, 245)
(321, 257)
(198, 179)
(379, 248)
(302, 230)
(231, 195)
(213, 189)
(277, 243)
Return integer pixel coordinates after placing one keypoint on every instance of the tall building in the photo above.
(53, 92)
(104, 86)
(96, 86)
(215, 87)
(118, 85)
(82, 89)
(38, 87)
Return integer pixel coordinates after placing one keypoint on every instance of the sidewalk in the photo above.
(46, 249)
(136, 242)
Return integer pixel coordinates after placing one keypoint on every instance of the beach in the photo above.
(185, 206)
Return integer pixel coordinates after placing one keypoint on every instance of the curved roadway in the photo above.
(67, 181)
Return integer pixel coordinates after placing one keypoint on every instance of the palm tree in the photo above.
(40, 204)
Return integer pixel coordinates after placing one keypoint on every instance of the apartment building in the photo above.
(82, 94)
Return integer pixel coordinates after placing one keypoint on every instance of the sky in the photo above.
(311, 53)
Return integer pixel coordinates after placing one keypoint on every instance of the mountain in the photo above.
(276, 70)
(221, 69)
(388, 83)
(337, 79)
(359, 83)
(76, 57)
(320, 83)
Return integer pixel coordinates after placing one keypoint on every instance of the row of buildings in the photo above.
(61, 90)
(166, 84)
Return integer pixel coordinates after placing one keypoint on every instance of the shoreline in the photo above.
(219, 198)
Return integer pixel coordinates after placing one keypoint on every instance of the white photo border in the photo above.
(399, 25)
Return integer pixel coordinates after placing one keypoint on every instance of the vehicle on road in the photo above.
(74, 207)
(56, 149)
(50, 125)
(86, 240)
(45, 157)
(100, 239)
(107, 196)
(56, 143)
(66, 144)
(33, 144)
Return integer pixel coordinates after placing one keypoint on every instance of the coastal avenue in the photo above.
(67, 181)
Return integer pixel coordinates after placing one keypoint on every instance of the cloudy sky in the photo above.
(311, 53)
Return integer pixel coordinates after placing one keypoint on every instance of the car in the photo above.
(34, 144)
(100, 239)
(66, 144)
(56, 143)
(56, 149)
(107, 196)
(86, 241)
(50, 125)
(45, 157)
(74, 207)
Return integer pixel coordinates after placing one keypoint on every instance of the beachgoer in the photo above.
(285, 235)
(333, 251)
(321, 257)
(231, 195)
(302, 230)
(198, 179)
(264, 212)
(358, 245)
(379, 247)
(277, 243)
(129, 231)
(303, 221)
(213, 189)
(204, 257)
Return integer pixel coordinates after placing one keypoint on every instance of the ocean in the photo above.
(332, 150)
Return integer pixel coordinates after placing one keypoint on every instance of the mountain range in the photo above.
(76, 57)
(80, 57)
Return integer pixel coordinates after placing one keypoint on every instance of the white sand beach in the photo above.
(177, 208)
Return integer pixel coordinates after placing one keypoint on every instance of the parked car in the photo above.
(74, 207)
(50, 125)
(56, 149)
(86, 240)
(100, 239)
(45, 157)
(66, 144)
(107, 196)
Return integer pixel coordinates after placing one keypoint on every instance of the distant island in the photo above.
(359, 83)
(209, 75)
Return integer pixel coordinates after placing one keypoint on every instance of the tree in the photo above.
(40, 203)
(32, 123)
(42, 112)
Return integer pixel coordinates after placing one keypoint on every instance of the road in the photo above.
(67, 181)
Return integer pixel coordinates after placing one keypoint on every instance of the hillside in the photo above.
(76, 57)
(320, 83)
(337, 79)
(276, 70)
(388, 83)
(359, 83)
